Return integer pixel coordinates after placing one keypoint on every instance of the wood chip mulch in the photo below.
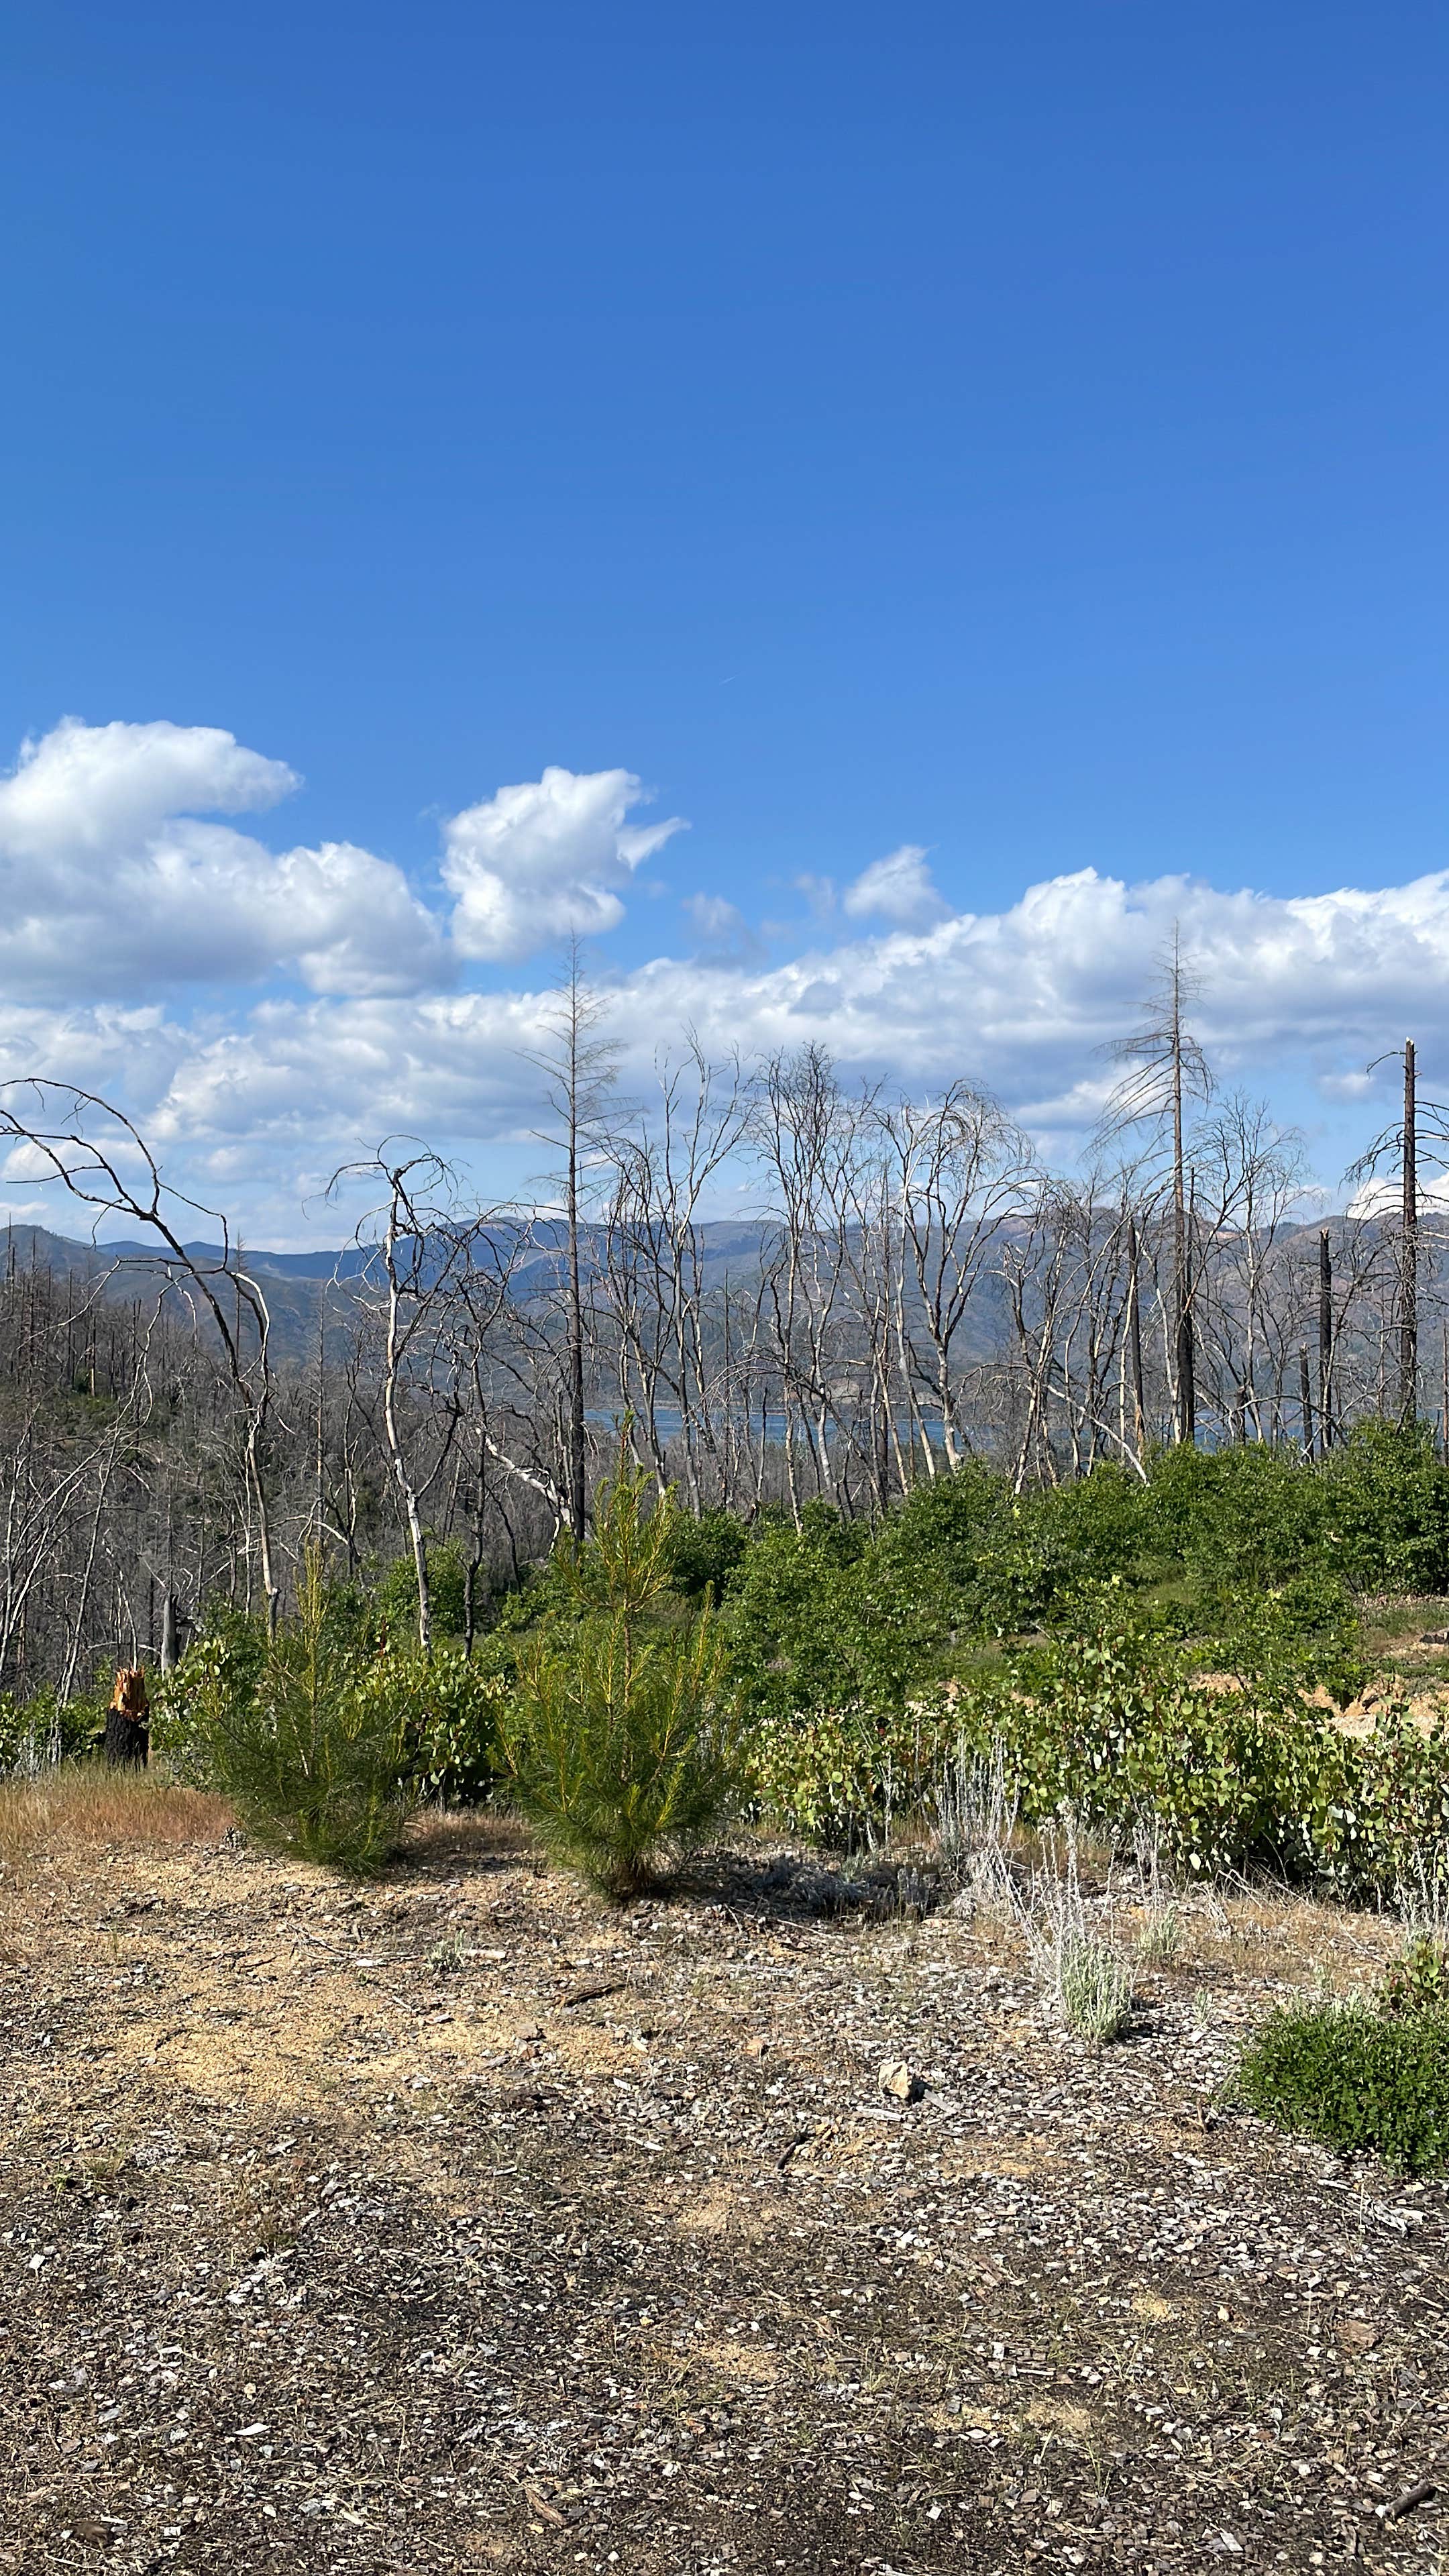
(463, 2223)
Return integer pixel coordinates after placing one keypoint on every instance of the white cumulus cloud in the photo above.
(153, 950)
(113, 878)
(539, 861)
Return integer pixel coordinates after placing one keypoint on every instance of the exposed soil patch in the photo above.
(357, 2232)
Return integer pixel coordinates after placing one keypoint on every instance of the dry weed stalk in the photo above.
(975, 1820)
(1082, 1973)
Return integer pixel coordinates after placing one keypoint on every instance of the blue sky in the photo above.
(1016, 436)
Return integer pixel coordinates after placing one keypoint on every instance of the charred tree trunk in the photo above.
(128, 1733)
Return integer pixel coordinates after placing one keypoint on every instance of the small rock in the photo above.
(1354, 2330)
(756, 2047)
(897, 2079)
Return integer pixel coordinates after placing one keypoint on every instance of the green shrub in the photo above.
(395, 1595)
(1418, 1980)
(1357, 2079)
(1280, 1640)
(839, 1776)
(219, 1671)
(1387, 1509)
(618, 1741)
(707, 1549)
(1246, 1514)
(311, 1747)
(39, 1731)
(1114, 1724)
(831, 1614)
(1111, 1722)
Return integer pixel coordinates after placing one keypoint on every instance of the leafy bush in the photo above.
(839, 1776)
(1418, 1980)
(1387, 1509)
(1356, 2078)
(443, 1712)
(1239, 1515)
(219, 1670)
(1112, 1723)
(826, 1616)
(618, 1742)
(707, 1549)
(395, 1596)
(1281, 1639)
(37, 1732)
(312, 1749)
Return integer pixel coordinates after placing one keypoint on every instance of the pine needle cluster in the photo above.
(620, 1744)
(316, 1763)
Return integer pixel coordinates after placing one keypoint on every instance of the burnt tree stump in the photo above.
(128, 1734)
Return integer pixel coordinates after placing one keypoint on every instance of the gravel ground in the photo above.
(463, 2223)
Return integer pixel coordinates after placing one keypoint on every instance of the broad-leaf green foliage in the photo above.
(1418, 1980)
(1244, 1550)
(395, 1594)
(1357, 2078)
(706, 1549)
(1388, 1510)
(1111, 1721)
(40, 1730)
(840, 1776)
(619, 1741)
(1114, 1722)
(1280, 1640)
(829, 1615)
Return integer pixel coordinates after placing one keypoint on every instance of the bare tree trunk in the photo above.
(1134, 1341)
(1325, 1340)
(1409, 1254)
(1181, 1291)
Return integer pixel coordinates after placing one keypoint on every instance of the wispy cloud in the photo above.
(897, 888)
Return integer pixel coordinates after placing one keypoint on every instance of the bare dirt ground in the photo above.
(463, 2223)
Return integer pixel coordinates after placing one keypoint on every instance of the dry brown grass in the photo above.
(465, 1838)
(88, 1808)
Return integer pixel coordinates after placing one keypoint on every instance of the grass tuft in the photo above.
(88, 1807)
